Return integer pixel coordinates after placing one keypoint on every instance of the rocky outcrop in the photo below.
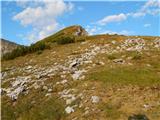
(80, 31)
(7, 46)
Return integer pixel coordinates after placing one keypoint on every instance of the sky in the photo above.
(26, 22)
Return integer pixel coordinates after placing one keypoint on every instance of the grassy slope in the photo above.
(123, 89)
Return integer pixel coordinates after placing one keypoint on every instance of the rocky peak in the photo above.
(80, 31)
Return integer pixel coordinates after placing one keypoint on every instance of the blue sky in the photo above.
(29, 21)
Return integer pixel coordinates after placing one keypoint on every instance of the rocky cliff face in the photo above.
(7, 46)
(79, 31)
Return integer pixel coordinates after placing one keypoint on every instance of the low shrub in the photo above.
(80, 39)
(39, 52)
(65, 40)
(111, 57)
(137, 56)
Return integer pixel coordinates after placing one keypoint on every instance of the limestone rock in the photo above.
(69, 110)
(95, 99)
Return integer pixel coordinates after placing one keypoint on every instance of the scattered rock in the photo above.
(28, 67)
(78, 75)
(64, 81)
(138, 117)
(48, 94)
(45, 88)
(86, 112)
(146, 106)
(2, 91)
(118, 60)
(69, 110)
(74, 63)
(69, 101)
(95, 99)
(36, 86)
(50, 90)
(14, 94)
(113, 42)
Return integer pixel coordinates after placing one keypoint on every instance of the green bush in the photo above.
(80, 39)
(136, 56)
(39, 52)
(111, 57)
(65, 40)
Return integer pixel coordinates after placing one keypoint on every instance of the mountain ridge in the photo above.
(7, 46)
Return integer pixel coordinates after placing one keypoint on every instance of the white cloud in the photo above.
(112, 18)
(147, 25)
(151, 7)
(151, 3)
(92, 30)
(123, 32)
(42, 17)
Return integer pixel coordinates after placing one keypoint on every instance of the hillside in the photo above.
(7, 46)
(70, 34)
(101, 77)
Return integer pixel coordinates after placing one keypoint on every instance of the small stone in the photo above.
(36, 86)
(95, 99)
(76, 118)
(2, 91)
(78, 74)
(74, 63)
(48, 94)
(146, 106)
(113, 42)
(69, 101)
(64, 81)
(29, 67)
(118, 61)
(69, 110)
(50, 90)
(86, 112)
(101, 63)
(81, 105)
(86, 108)
(45, 87)
(57, 83)
(63, 76)
(148, 65)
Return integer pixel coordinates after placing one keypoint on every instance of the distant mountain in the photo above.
(7, 46)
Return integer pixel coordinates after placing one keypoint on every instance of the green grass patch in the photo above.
(51, 109)
(111, 56)
(34, 106)
(111, 111)
(126, 75)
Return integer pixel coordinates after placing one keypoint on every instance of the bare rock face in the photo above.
(80, 31)
(7, 46)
